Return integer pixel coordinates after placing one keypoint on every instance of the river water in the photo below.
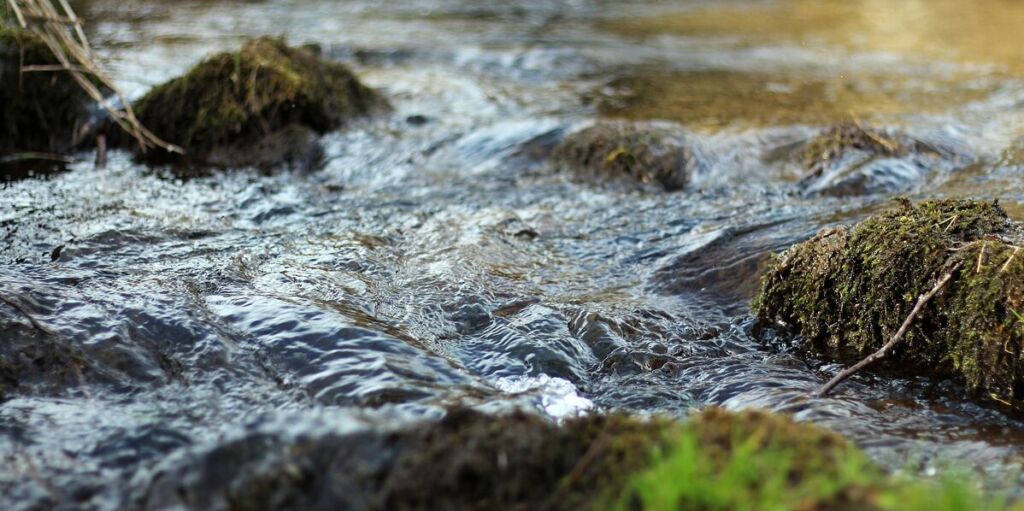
(439, 259)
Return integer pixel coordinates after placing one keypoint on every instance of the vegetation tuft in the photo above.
(234, 100)
(848, 290)
(755, 461)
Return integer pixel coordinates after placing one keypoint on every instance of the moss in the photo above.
(42, 110)
(233, 100)
(643, 152)
(474, 461)
(815, 450)
(755, 460)
(847, 291)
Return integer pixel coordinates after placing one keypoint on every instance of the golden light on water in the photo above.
(868, 58)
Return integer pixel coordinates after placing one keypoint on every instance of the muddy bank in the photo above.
(848, 290)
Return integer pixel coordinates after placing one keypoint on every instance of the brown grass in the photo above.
(61, 29)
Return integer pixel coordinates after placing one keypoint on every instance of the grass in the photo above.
(765, 472)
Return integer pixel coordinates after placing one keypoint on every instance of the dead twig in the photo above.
(1009, 260)
(884, 350)
(21, 309)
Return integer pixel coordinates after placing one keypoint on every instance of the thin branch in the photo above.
(884, 350)
(1010, 260)
(32, 320)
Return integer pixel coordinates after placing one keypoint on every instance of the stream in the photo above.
(438, 259)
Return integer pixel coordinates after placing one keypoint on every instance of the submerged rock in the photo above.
(850, 159)
(648, 153)
(262, 106)
(848, 290)
(40, 110)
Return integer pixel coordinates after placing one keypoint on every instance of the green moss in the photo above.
(233, 99)
(41, 110)
(643, 152)
(847, 291)
(759, 461)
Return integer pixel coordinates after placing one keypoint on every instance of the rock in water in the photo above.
(850, 159)
(848, 290)
(645, 152)
(40, 111)
(250, 107)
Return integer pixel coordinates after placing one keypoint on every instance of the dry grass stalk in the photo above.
(61, 30)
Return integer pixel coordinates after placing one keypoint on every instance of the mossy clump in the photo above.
(759, 461)
(815, 449)
(234, 101)
(474, 461)
(847, 291)
(40, 111)
(643, 152)
(754, 460)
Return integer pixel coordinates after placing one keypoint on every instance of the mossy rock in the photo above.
(851, 159)
(644, 152)
(474, 461)
(41, 110)
(234, 102)
(847, 291)
(816, 449)
(466, 461)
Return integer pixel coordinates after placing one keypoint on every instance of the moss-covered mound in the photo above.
(718, 460)
(234, 102)
(643, 152)
(474, 461)
(755, 460)
(847, 291)
(850, 159)
(40, 111)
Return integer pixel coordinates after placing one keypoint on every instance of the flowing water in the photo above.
(438, 259)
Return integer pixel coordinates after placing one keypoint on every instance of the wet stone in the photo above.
(644, 152)
(850, 159)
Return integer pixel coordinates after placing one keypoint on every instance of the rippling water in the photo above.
(151, 323)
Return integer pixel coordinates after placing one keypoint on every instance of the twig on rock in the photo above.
(884, 350)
